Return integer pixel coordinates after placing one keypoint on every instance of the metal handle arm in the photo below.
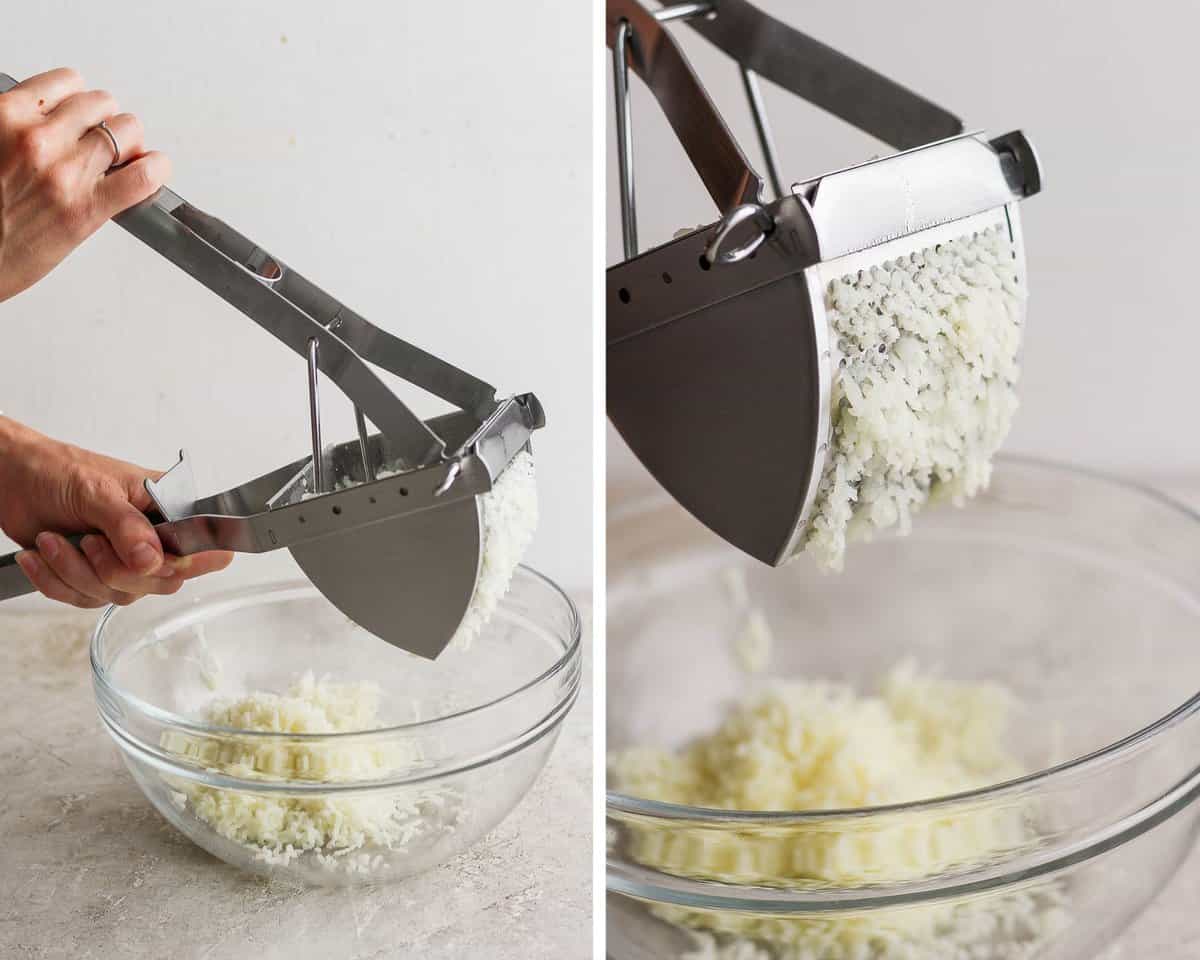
(369, 341)
(294, 310)
(243, 275)
(657, 59)
(824, 77)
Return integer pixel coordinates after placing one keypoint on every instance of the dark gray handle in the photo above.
(14, 583)
(824, 77)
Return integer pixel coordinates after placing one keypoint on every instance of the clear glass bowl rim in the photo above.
(650, 810)
(569, 657)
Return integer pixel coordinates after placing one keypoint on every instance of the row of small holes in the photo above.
(337, 511)
(625, 296)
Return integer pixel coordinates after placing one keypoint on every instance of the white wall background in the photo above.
(429, 164)
(1107, 93)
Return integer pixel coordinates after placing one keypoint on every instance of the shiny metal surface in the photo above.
(685, 11)
(719, 381)
(360, 424)
(620, 52)
(104, 128)
(314, 417)
(719, 365)
(408, 579)
(712, 149)
(744, 213)
(872, 203)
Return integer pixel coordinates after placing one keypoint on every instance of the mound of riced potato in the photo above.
(812, 746)
(924, 390)
(509, 514)
(340, 829)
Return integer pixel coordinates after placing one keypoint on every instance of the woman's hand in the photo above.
(49, 488)
(56, 188)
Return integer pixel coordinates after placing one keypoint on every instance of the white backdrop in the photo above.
(1106, 93)
(429, 164)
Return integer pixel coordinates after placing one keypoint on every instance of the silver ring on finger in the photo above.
(103, 127)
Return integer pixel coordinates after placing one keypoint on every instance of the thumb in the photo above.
(127, 529)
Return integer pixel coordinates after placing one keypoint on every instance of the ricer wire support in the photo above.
(625, 138)
(360, 424)
(314, 416)
(624, 113)
(762, 127)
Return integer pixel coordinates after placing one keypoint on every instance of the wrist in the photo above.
(16, 440)
(9, 432)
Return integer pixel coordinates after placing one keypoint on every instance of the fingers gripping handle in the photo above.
(14, 583)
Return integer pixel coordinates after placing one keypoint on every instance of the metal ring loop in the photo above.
(102, 126)
(739, 215)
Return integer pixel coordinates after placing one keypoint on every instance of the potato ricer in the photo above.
(720, 363)
(389, 525)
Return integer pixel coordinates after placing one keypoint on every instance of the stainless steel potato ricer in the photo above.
(719, 361)
(386, 525)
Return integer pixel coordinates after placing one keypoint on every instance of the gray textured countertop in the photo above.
(89, 871)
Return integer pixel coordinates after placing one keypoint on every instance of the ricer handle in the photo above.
(295, 311)
(656, 58)
(14, 583)
(761, 45)
(824, 77)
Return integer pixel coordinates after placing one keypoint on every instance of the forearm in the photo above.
(25, 460)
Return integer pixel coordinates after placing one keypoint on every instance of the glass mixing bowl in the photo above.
(1078, 593)
(463, 737)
